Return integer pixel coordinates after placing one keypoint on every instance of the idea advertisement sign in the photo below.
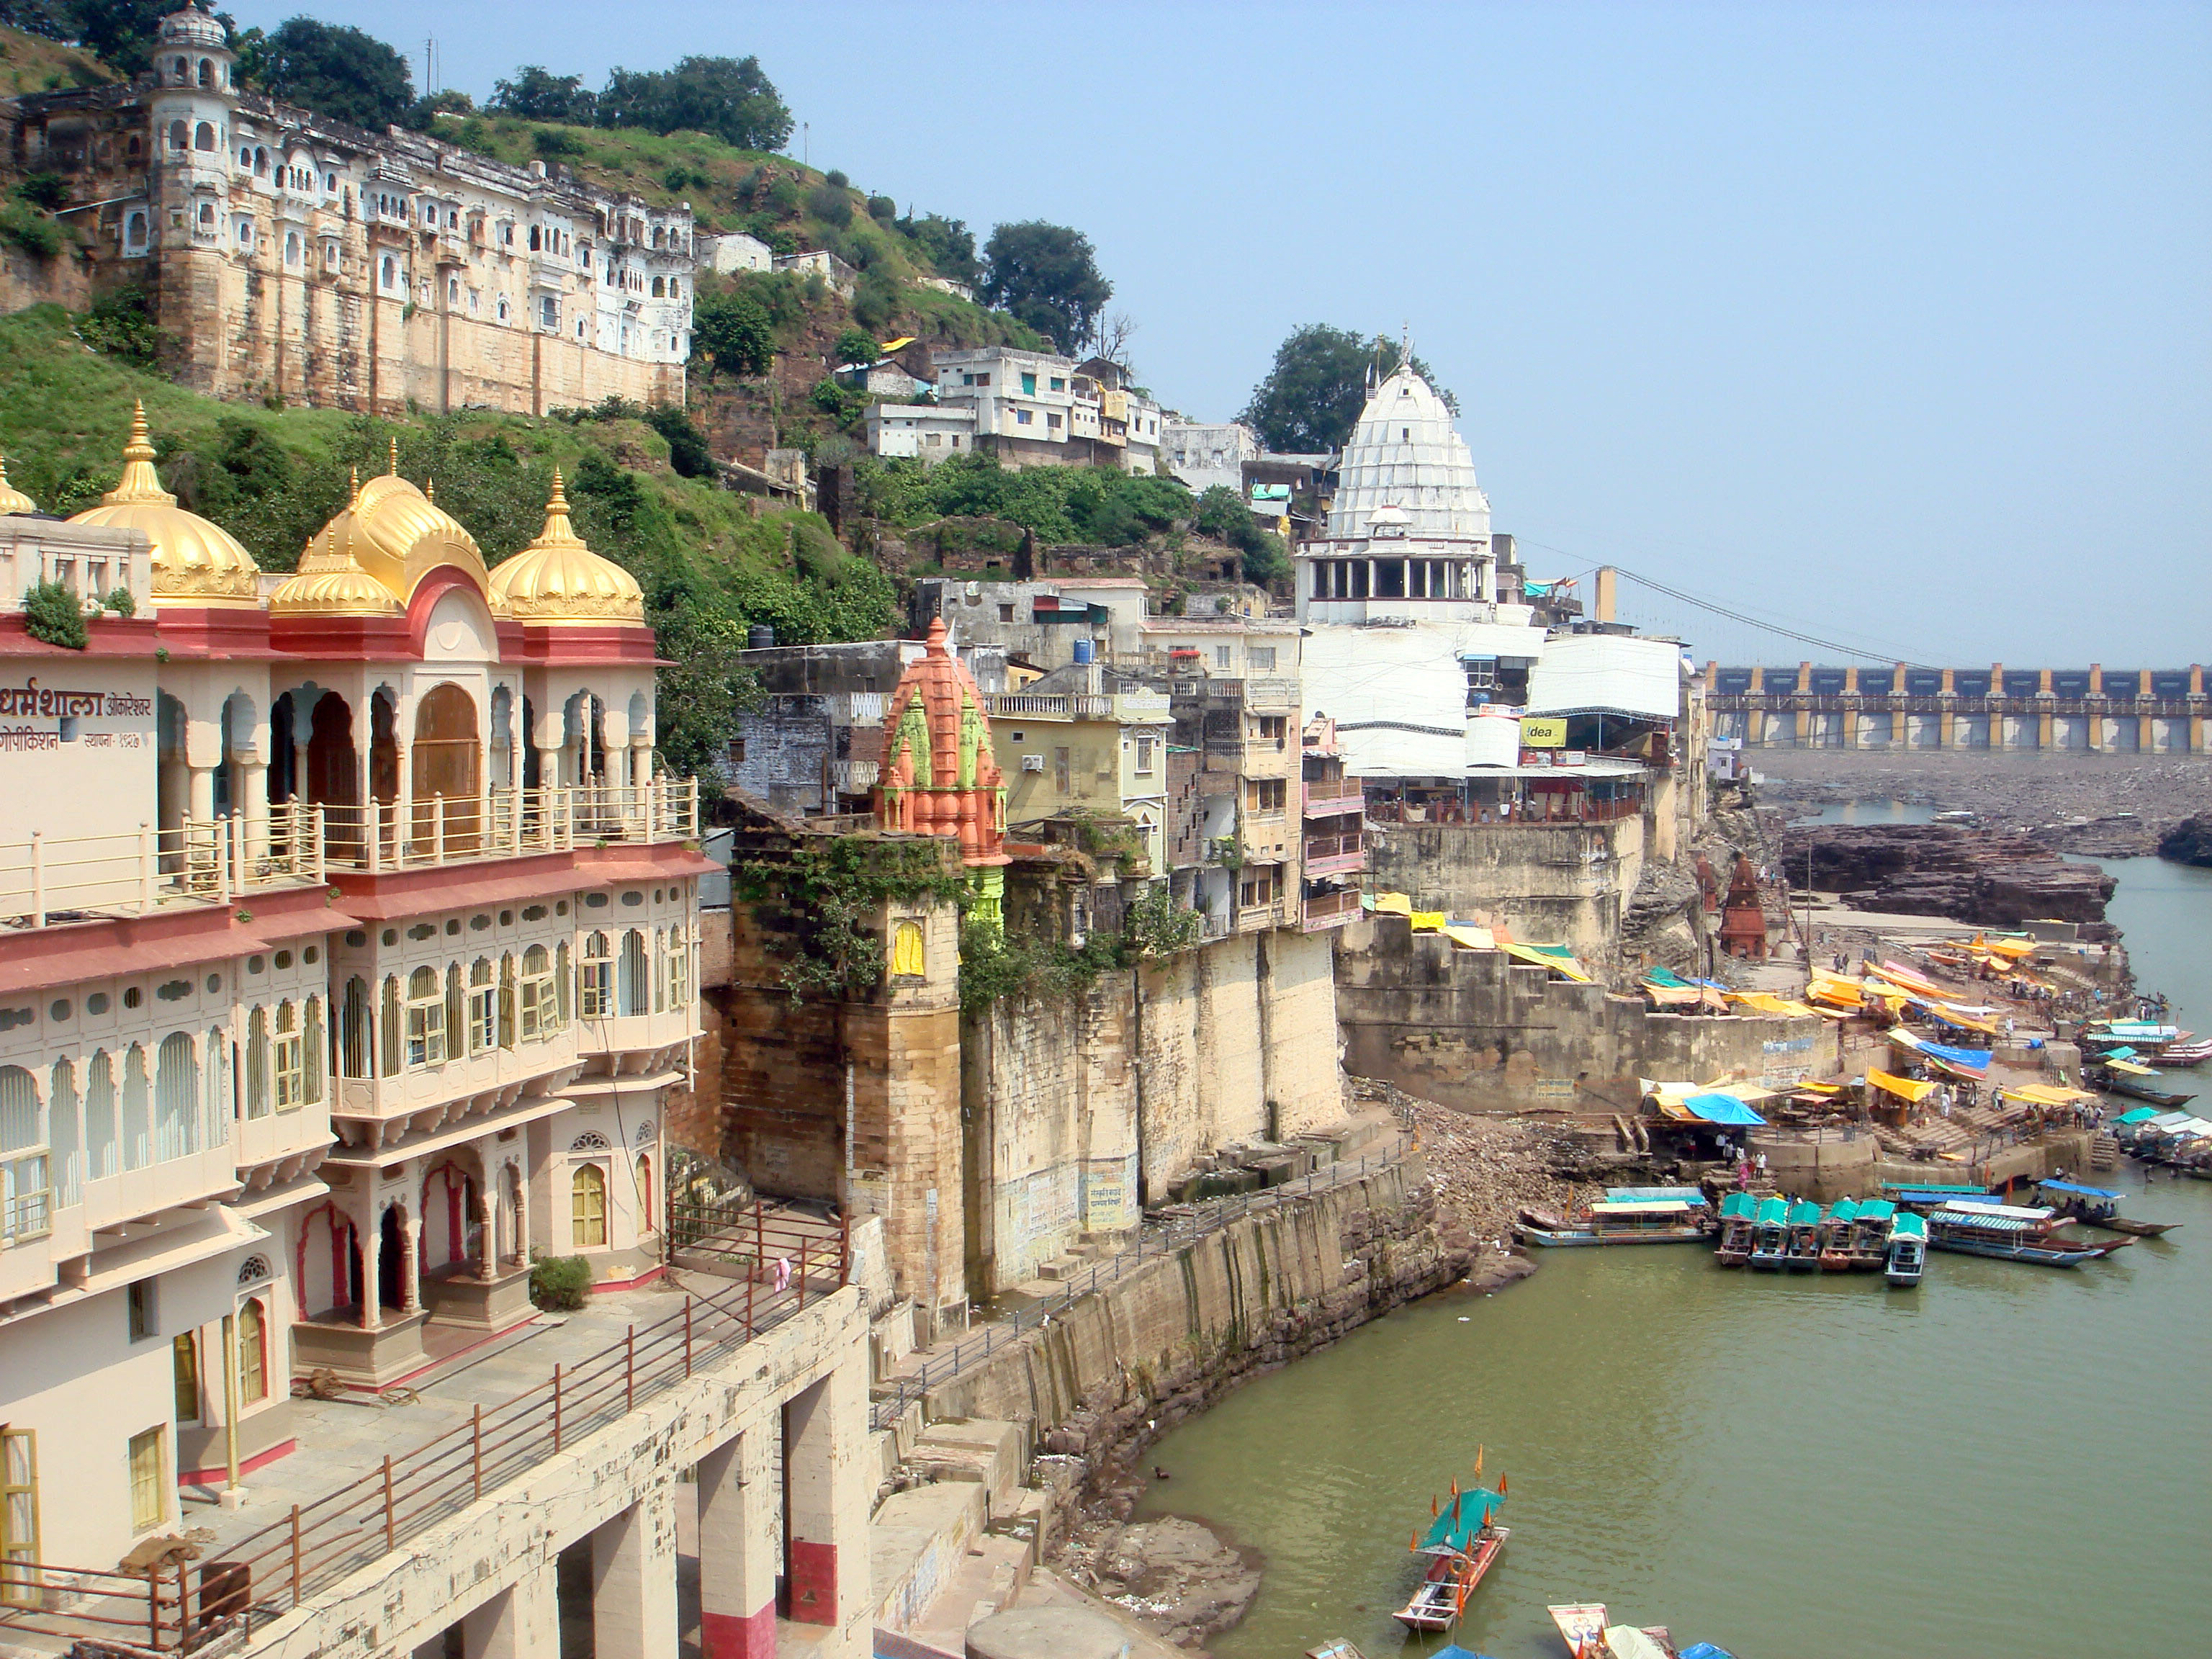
(1543, 732)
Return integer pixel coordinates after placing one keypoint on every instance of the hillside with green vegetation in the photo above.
(28, 64)
(711, 563)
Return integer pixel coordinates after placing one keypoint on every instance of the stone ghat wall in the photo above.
(1167, 1339)
(1475, 1030)
(1562, 883)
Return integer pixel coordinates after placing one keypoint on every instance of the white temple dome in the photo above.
(1405, 454)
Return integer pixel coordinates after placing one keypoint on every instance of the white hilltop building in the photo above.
(1408, 639)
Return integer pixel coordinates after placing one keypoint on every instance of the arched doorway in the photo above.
(443, 770)
(391, 1260)
(384, 770)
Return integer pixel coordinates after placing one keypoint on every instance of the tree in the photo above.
(536, 93)
(727, 97)
(1312, 397)
(1047, 276)
(119, 33)
(948, 244)
(334, 70)
(1224, 515)
(733, 333)
(855, 345)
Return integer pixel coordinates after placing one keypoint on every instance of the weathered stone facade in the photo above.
(289, 255)
(1476, 1031)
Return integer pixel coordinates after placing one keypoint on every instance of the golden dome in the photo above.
(330, 582)
(556, 579)
(195, 563)
(13, 500)
(397, 535)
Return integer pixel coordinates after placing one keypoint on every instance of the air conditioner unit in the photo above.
(1033, 763)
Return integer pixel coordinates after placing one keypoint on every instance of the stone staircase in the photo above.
(2104, 1151)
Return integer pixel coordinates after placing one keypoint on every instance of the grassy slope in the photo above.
(28, 64)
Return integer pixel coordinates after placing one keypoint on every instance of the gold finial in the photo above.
(430, 491)
(13, 500)
(140, 484)
(558, 504)
(558, 530)
(353, 486)
(393, 470)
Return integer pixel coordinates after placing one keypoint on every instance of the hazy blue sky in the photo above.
(1893, 320)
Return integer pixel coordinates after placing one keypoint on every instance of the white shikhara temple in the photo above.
(347, 950)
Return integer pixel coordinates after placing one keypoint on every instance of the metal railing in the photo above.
(1327, 800)
(60, 879)
(390, 835)
(1320, 905)
(315, 1544)
(1334, 847)
(1178, 1230)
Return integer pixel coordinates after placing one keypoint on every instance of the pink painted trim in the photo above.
(260, 1459)
(646, 1278)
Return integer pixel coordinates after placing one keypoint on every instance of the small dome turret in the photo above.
(195, 563)
(558, 579)
(13, 500)
(399, 535)
(193, 28)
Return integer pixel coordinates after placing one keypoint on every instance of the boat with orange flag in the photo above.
(1462, 1542)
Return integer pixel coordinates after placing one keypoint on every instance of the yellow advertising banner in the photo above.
(1544, 731)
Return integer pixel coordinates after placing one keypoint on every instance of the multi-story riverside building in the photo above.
(350, 951)
(293, 256)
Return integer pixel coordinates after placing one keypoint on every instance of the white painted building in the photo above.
(1207, 453)
(353, 949)
(1023, 397)
(928, 432)
(733, 250)
(1407, 637)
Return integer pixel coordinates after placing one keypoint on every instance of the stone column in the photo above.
(736, 1550)
(372, 1262)
(523, 1621)
(828, 1486)
(200, 805)
(633, 1579)
(253, 784)
(487, 1217)
(410, 1281)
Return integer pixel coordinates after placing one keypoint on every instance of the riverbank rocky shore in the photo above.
(2100, 805)
(1980, 876)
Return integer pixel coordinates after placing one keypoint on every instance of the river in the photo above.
(2009, 1460)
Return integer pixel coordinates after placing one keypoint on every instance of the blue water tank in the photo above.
(1083, 650)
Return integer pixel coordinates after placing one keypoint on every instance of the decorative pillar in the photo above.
(486, 1223)
(736, 1550)
(200, 807)
(410, 1281)
(829, 1485)
(371, 1275)
(521, 1622)
(254, 782)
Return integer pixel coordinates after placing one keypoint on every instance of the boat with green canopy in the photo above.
(1906, 1250)
(1462, 1542)
(1738, 1212)
(1837, 1232)
(1802, 1251)
(1770, 1233)
(1870, 1234)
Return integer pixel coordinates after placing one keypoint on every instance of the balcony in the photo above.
(1334, 797)
(1131, 708)
(48, 881)
(1330, 909)
(1335, 855)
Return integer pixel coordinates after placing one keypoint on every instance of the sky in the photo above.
(1891, 323)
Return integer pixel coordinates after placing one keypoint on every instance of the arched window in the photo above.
(176, 1098)
(18, 1110)
(907, 958)
(353, 1030)
(595, 978)
(533, 239)
(134, 231)
(393, 1026)
(257, 1063)
(180, 135)
(560, 984)
(261, 162)
(207, 72)
(539, 1019)
(659, 288)
(631, 975)
(426, 1018)
(25, 1198)
(137, 1117)
(204, 135)
(587, 1190)
(660, 970)
(218, 1101)
(291, 1059)
(644, 1193)
(103, 1146)
(457, 1012)
(484, 1007)
(61, 1137)
(311, 1053)
(502, 307)
(507, 1000)
(291, 247)
(388, 273)
(252, 1352)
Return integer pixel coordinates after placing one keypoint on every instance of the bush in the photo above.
(30, 230)
(121, 325)
(688, 453)
(120, 602)
(44, 190)
(557, 141)
(560, 1283)
(52, 615)
(734, 333)
(830, 205)
(837, 180)
(855, 345)
(882, 210)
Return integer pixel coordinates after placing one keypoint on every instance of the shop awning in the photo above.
(1904, 1088)
(1468, 937)
(1556, 957)
(1726, 1109)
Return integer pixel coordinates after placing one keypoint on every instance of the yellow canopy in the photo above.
(1468, 937)
(2128, 1068)
(2008, 947)
(1566, 967)
(1765, 1002)
(1843, 992)
(1393, 904)
(1903, 1087)
(1429, 921)
(2042, 1094)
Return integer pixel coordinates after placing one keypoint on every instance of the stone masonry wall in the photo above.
(1476, 1031)
(1552, 884)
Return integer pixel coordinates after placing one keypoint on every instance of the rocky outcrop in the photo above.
(2189, 841)
(1944, 870)
(1182, 1583)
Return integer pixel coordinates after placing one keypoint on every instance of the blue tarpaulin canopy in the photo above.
(1701, 1650)
(1722, 1109)
(1976, 1060)
(2074, 1187)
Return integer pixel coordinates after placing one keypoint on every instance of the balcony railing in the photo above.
(315, 1544)
(1328, 909)
(1333, 799)
(52, 880)
(1319, 848)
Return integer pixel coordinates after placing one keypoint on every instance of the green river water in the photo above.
(2009, 1460)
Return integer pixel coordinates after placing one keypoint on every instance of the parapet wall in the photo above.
(1476, 1031)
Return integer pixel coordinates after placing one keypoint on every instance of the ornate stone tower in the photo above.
(939, 776)
(189, 137)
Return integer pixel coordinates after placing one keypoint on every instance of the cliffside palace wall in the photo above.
(291, 256)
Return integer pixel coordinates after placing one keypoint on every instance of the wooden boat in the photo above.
(1927, 1195)
(1836, 1236)
(1462, 1542)
(1335, 1648)
(2011, 1233)
(2184, 1053)
(1582, 1627)
(1905, 1256)
(1620, 1221)
(1802, 1251)
(1770, 1233)
(1737, 1212)
(2119, 1083)
(2097, 1207)
(1869, 1247)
